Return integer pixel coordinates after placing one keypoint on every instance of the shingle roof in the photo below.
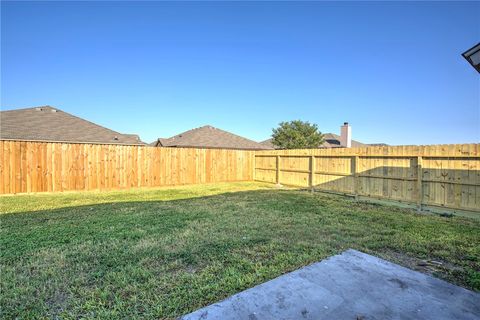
(51, 124)
(332, 140)
(267, 143)
(209, 137)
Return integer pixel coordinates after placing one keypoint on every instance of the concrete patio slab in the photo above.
(352, 285)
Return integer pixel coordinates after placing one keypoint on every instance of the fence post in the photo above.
(254, 166)
(311, 176)
(277, 177)
(355, 176)
(419, 184)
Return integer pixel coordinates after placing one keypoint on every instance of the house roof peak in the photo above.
(208, 136)
(47, 123)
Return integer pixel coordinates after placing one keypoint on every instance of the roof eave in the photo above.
(73, 142)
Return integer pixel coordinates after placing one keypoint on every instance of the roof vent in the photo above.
(115, 138)
(54, 110)
(38, 109)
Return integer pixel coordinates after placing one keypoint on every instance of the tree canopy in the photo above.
(297, 134)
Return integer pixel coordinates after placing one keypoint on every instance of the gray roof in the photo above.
(209, 137)
(51, 124)
(332, 140)
(268, 143)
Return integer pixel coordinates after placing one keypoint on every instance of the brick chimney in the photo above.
(346, 135)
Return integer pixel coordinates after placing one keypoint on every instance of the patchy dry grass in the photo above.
(164, 252)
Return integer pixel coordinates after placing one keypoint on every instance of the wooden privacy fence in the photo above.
(440, 175)
(43, 166)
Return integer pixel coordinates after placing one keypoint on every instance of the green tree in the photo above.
(297, 134)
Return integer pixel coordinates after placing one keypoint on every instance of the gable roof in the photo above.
(332, 140)
(160, 142)
(54, 125)
(209, 137)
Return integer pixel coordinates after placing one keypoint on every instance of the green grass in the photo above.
(160, 253)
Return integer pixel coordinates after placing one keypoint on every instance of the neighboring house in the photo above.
(54, 125)
(332, 140)
(209, 137)
(268, 143)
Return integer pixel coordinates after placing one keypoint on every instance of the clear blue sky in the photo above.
(393, 70)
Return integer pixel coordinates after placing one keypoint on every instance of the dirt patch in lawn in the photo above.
(439, 268)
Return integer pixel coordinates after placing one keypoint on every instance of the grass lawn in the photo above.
(160, 253)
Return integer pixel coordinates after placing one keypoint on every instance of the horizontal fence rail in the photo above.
(440, 176)
(44, 166)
